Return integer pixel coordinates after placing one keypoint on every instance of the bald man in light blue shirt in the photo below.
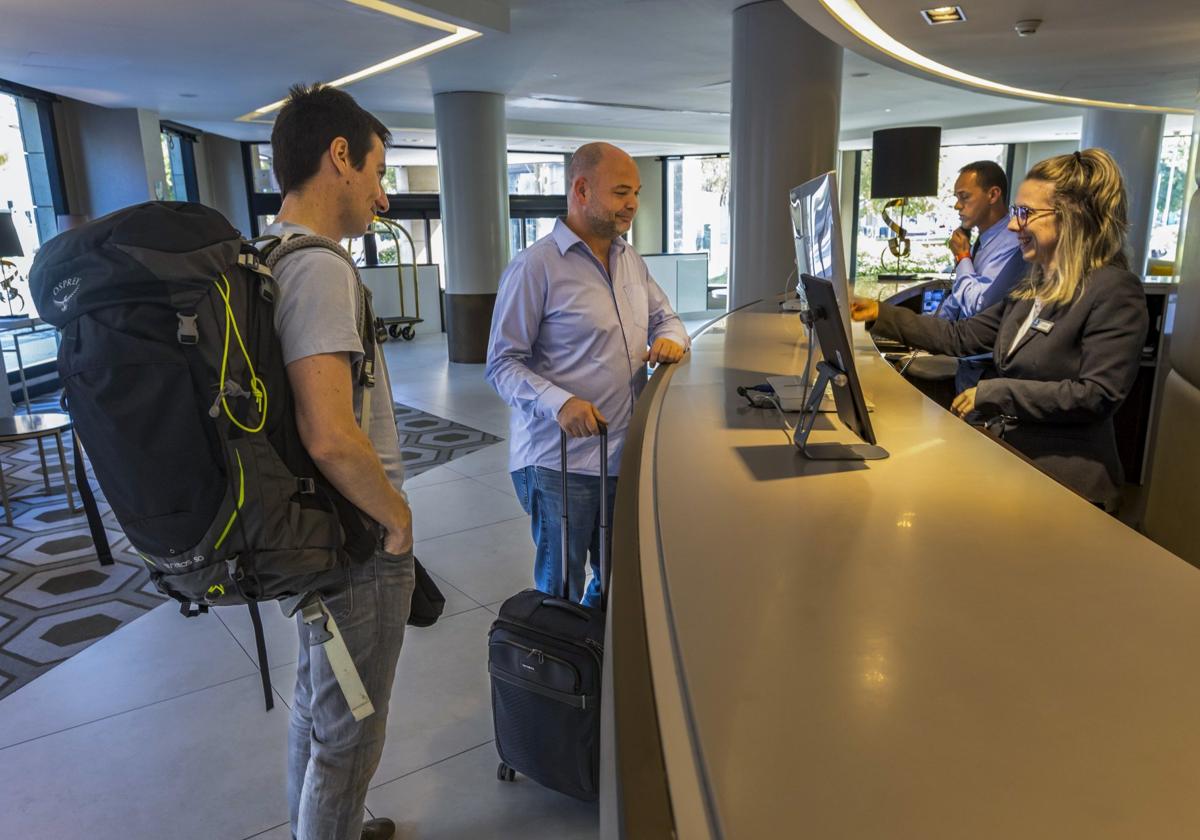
(577, 318)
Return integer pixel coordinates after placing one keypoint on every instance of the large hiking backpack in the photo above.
(173, 375)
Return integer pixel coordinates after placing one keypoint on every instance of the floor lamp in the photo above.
(904, 165)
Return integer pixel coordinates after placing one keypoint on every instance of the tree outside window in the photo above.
(1170, 196)
(697, 210)
(929, 220)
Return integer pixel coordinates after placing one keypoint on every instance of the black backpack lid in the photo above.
(157, 252)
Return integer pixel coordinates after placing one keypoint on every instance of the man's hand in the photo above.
(964, 403)
(579, 418)
(398, 536)
(864, 309)
(960, 243)
(665, 352)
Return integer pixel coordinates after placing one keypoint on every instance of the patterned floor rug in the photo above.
(55, 599)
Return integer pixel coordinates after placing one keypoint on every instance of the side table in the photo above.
(36, 427)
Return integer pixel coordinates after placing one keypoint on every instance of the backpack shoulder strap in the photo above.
(95, 524)
(276, 248)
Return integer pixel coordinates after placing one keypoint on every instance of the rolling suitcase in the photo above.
(545, 656)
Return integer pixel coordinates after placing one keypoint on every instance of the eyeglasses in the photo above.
(1023, 214)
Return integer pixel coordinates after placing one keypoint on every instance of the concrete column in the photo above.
(787, 82)
(1021, 163)
(473, 170)
(847, 202)
(1134, 141)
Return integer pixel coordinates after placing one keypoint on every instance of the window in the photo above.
(411, 181)
(411, 171)
(526, 229)
(1170, 196)
(929, 220)
(537, 196)
(696, 208)
(530, 173)
(262, 168)
(30, 183)
(179, 164)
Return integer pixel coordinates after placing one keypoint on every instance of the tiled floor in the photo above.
(158, 729)
(54, 598)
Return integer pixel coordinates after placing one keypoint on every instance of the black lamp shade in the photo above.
(904, 161)
(10, 243)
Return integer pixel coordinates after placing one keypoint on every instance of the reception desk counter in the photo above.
(943, 644)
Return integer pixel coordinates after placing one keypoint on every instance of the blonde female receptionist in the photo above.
(1067, 342)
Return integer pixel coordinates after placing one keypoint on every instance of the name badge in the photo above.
(1042, 326)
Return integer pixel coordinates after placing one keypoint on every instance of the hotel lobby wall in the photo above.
(1026, 155)
(112, 158)
(222, 178)
(105, 162)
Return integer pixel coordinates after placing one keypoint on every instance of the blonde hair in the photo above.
(1092, 208)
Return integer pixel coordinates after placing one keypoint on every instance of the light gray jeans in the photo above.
(331, 756)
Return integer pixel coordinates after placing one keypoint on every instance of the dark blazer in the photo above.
(1062, 386)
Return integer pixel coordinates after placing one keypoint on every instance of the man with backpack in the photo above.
(577, 318)
(329, 159)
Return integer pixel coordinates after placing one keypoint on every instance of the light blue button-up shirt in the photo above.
(979, 282)
(986, 278)
(564, 328)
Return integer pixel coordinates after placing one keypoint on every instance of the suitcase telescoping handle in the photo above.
(604, 523)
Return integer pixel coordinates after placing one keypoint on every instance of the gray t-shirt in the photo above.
(315, 314)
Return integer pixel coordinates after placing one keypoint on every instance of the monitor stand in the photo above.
(827, 373)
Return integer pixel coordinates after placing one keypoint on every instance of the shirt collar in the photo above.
(564, 238)
(991, 233)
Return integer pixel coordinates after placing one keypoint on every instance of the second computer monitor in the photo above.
(817, 228)
(838, 351)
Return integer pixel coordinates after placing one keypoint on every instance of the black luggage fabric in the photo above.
(545, 658)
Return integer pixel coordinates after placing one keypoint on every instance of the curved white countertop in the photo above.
(946, 643)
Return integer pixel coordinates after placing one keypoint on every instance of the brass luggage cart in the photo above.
(404, 325)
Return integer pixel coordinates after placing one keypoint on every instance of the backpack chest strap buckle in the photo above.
(188, 332)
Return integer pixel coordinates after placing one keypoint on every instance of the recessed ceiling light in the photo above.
(943, 14)
(189, 95)
(860, 75)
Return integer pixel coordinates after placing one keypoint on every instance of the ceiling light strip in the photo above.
(458, 35)
(850, 15)
(410, 56)
(405, 14)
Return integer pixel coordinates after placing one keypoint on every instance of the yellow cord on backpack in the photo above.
(257, 388)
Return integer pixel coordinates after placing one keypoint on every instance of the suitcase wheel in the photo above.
(505, 773)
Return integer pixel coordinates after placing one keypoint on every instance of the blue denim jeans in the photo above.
(331, 756)
(540, 493)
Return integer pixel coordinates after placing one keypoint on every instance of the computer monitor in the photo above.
(837, 369)
(817, 229)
